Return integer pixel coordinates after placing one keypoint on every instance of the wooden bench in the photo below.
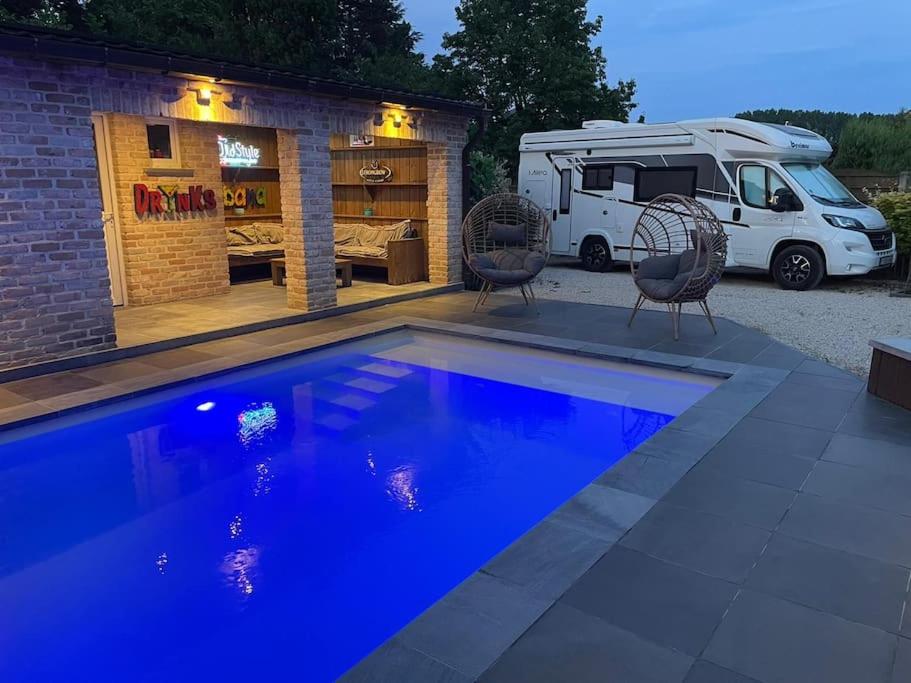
(342, 271)
(890, 370)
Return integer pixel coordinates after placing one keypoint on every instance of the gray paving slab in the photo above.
(757, 463)
(567, 644)
(704, 671)
(473, 624)
(395, 663)
(779, 437)
(709, 490)
(861, 486)
(678, 446)
(644, 475)
(901, 669)
(806, 406)
(856, 529)
(825, 382)
(664, 603)
(602, 512)
(874, 454)
(877, 419)
(777, 641)
(851, 586)
(548, 559)
(699, 541)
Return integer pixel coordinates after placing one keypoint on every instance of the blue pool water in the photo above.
(278, 525)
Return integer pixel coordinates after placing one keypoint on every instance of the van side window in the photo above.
(653, 182)
(758, 185)
(566, 189)
(598, 177)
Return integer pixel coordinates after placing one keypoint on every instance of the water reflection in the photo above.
(239, 568)
(264, 476)
(236, 526)
(256, 422)
(401, 489)
(371, 464)
(162, 563)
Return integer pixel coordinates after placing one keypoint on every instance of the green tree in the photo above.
(829, 124)
(532, 63)
(879, 144)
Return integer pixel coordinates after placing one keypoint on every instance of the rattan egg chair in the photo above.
(684, 249)
(505, 243)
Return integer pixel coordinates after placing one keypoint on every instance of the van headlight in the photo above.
(843, 222)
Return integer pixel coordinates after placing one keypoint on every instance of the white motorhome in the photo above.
(784, 212)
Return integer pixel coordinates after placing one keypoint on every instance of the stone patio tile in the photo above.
(176, 358)
(118, 370)
(779, 641)
(882, 456)
(901, 669)
(818, 367)
(757, 463)
(705, 672)
(8, 399)
(761, 436)
(851, 586)
(777, 355)
(709, 490)
(826, 382)
(883, 490)
(603, 512)
(708, 421)
(569, 645)
(25, 411)
(692, 349)
(394, 663)
(677, 446)
(877, 419)
(75, 399)
(742, 349)
(699, 541)
(547, 559)
(661, 602)
(716, 367)
(49, 386)
(855, 529)
(806, 406)
(472, 625)
(643, 474)
(609, 351)
(662, 360)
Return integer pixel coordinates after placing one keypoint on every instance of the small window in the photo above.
(758, 185)
(566, 189)
(598, 178)
(654, 182)
(161, 135)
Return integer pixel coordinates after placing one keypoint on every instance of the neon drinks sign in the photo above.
(232, 152)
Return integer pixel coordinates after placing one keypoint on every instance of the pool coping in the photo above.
(503, 590)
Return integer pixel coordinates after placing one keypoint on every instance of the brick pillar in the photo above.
(444, 212)
(306, 191)
(55, 297)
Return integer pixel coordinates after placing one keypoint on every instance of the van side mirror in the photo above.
(785, 200)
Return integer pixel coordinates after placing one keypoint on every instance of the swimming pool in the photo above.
(280, 523)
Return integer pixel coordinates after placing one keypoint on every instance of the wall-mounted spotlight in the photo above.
(397, 120)
(415, 120)
(204, 97)
(378, 118)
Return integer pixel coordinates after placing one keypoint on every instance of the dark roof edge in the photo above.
(64, 45)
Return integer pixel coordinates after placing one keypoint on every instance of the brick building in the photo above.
(113, 181)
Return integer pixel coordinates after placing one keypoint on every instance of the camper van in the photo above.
(783, 211)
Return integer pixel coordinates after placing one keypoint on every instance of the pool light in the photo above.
(205, 407)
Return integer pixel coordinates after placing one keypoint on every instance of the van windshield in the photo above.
(824, 187)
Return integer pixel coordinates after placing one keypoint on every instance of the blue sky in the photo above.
(694, 58)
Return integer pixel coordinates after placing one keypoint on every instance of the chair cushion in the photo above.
(659, 267)
(269, 233)
(361, 250)
(688, 261)
(507, 234)
(662, 289)
(508, 266)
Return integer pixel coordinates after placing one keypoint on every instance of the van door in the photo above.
(752, 246)
(561, 205)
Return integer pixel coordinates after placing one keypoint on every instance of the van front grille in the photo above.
(880, 241)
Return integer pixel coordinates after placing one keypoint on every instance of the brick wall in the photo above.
(171, 256)
(54, 288)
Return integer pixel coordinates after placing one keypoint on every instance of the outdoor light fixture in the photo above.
(397, 120)
(204, 97)
(378, 118)
(415, 120)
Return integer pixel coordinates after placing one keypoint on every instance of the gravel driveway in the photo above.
(833, 323)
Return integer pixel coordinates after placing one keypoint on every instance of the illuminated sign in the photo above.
(374, 172)
(167, 200)
(232, 152)
(237, 196)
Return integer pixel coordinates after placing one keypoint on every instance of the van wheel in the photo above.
(595, 255)
(799, 268)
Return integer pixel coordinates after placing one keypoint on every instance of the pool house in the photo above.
(148, 197)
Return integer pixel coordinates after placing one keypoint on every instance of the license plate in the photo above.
(885, 260)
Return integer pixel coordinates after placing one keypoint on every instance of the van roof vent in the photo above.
(602, 123)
